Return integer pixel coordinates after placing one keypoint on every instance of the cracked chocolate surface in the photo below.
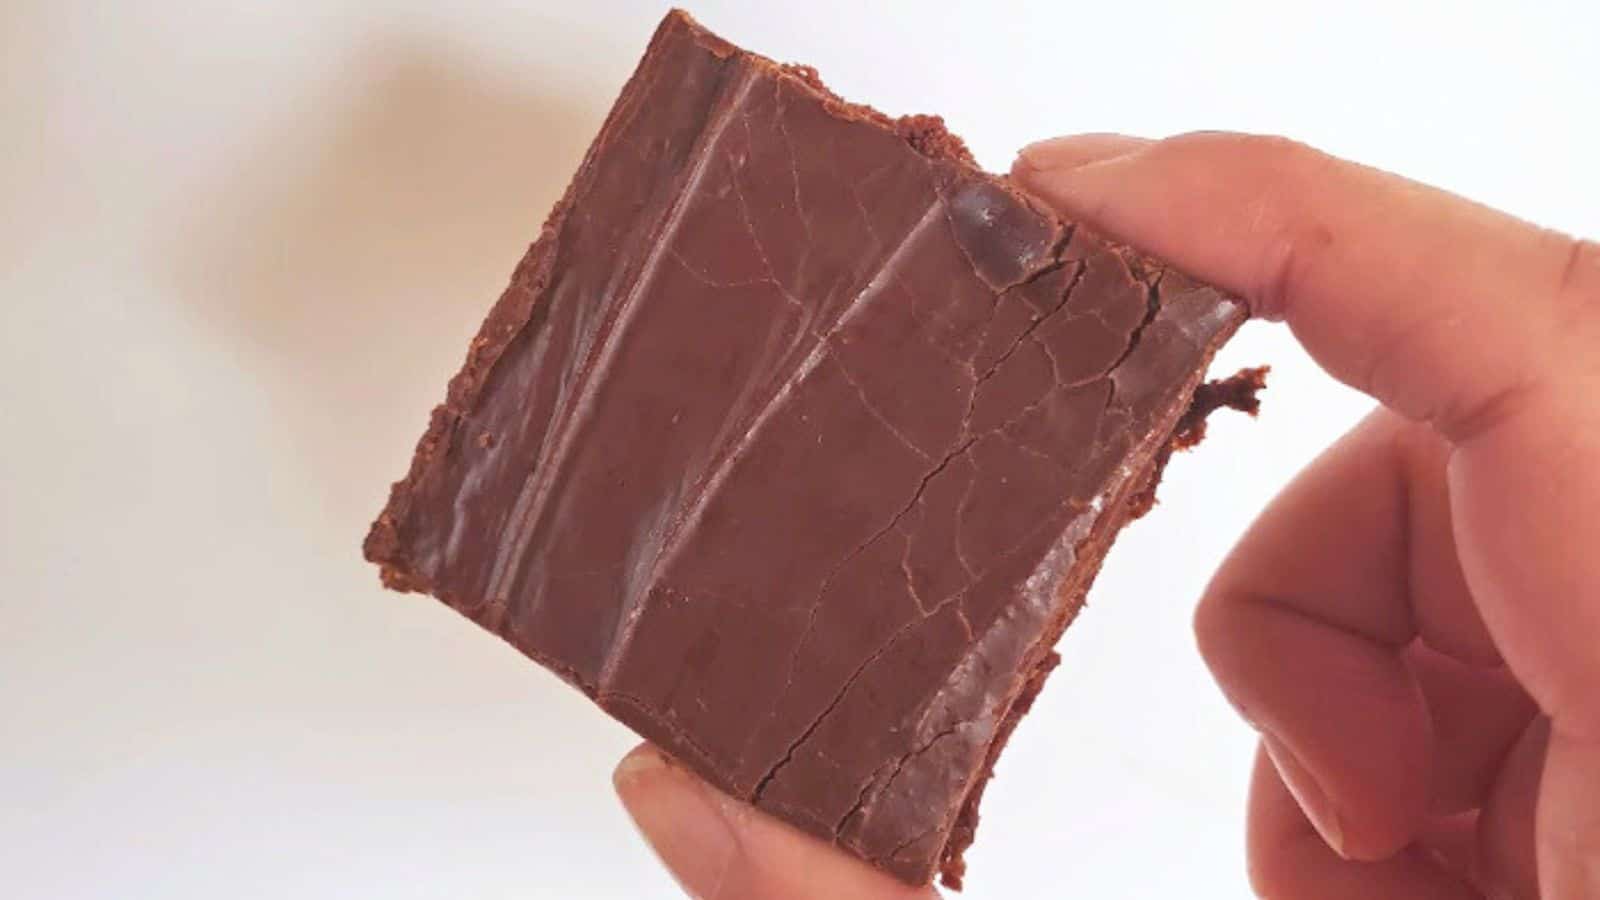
(795, 441)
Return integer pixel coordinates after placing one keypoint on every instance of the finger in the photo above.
(1445, 611)
(1569, 817)
(1446, 311)
(1525, 500)
(1288, 859)
(719, 848)
(1399, 289)
(1477, 715)
(1507, 860)
(1306, 624)
(1451, 842)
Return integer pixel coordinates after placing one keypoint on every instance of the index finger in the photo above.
(1444, 310)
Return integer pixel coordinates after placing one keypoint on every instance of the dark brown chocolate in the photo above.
(795, 442)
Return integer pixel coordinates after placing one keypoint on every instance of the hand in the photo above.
(1414, 626)
(722, 849)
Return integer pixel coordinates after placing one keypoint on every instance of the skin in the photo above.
(1413, 625)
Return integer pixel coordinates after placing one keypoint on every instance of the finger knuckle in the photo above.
(1294, 246)
(1286, 265)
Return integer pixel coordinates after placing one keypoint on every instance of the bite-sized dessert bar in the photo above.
(796, 441)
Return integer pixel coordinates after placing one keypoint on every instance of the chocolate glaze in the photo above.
(795, 442)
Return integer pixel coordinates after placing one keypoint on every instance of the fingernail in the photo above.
(680, 818)
(1312, 799)
(1075, 151)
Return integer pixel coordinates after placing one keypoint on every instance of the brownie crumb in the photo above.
(1237, 391)
(926, 134)
(929, 136)
(808, 74)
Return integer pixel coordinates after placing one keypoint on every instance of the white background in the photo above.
(243, 245)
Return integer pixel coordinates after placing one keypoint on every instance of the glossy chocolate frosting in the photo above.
(795, 441)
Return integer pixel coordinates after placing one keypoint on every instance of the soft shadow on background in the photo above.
(339, 269)
(350, 258)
